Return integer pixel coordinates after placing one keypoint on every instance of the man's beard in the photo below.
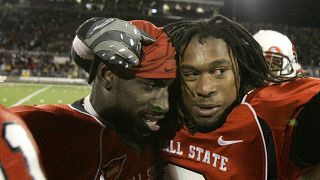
(127, 124)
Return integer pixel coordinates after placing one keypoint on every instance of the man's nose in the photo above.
(161, 103)
(206, 86)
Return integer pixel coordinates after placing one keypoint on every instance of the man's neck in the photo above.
(89, 108)
(137, 143)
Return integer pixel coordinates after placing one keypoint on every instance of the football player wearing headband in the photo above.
(109, 133)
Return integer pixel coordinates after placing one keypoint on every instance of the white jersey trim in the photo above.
(88, 114)
(262, 136)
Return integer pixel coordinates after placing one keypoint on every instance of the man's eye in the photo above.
(219, 71)
(190, 75)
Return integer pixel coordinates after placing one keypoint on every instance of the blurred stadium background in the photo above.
(36, 35)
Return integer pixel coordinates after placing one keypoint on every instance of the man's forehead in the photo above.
(155, 79)
(160, 82)
(206, 52)
(215, 63)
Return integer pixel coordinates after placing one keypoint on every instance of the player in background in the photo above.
(19, 158)
(280, 53)
(233, 124)
(109, 133)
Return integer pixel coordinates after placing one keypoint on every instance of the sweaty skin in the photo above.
(137, 107)
(209, 87)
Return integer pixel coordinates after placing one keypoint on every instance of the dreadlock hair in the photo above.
(249, 63)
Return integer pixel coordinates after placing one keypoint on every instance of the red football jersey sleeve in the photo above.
(18, 151)
(278, 105)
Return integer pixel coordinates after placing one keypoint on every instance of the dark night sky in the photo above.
(291, 12)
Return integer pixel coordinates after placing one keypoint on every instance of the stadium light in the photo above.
(200, 10)
(178, 7)
(154, 11)
(165, 8)
(188, 7)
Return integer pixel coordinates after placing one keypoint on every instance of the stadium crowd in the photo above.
(49, 31)
(27, 64)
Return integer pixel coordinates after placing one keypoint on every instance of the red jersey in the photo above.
(238, 149)
(279, 105)
(18, 152)
(76, 145)
(225, 153)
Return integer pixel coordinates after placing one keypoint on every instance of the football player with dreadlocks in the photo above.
(108, 134)
(237, 120)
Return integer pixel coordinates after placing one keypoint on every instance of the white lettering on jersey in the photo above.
(199, 154)
(191, 152)
(216, 157)
(174, 148)
(206, 158)
(223, 163)
(200, 151)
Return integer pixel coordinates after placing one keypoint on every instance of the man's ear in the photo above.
(105, 76)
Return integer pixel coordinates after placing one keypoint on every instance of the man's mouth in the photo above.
(206, 110)
(153, 126)
(152, 120)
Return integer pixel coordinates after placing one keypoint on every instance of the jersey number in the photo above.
(18, 140)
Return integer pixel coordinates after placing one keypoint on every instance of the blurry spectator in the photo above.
(48, 28)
